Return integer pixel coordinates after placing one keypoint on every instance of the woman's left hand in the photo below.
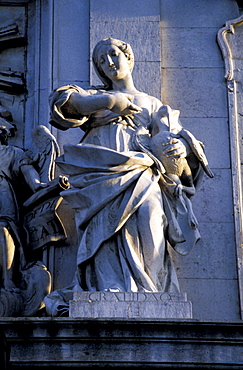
(175, 147)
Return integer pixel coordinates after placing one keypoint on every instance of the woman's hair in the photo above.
(123, 46)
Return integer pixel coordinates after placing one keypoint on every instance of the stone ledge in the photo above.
(75, 343)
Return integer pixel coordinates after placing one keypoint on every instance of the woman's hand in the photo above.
(175, 147)
(121, 103)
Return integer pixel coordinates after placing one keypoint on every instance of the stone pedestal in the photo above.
(130, 305)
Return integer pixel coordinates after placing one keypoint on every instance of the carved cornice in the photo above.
(10, 36)
(12, 81)
(225, 47)
(11, 29)
(62, 343)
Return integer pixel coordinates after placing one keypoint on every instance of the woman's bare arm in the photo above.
(116, 102)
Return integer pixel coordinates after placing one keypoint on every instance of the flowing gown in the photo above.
(126, 213)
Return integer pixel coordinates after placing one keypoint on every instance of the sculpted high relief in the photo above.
(131, 181)
(25, 176)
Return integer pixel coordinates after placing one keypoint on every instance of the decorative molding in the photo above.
(230, 42)
(11, 37)
(64, 343)
(11, 29)
(12, 81)
(225, 45)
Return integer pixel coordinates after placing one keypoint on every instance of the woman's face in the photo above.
(113, 62)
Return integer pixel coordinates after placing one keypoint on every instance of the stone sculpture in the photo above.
(23, 173)
(127, 205)
(176, 168)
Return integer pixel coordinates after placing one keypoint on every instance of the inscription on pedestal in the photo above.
(130, 305)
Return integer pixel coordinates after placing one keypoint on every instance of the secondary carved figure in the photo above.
(24, 281)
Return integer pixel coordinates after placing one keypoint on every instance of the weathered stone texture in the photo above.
(193, 81)
(75, 343)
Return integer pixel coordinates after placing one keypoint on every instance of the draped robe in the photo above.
(126, 213)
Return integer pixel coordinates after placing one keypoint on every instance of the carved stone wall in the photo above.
(180, 57)
(193, 81)
(48, 44)
(13, 42)
(230, 40)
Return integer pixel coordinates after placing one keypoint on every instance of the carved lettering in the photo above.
(43, 224)
(53, 226)
(133, 310)
(30, 216)
(119, 297)
(129, 297)
(44, 233)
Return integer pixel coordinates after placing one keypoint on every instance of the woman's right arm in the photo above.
(62, 114)
(71, 106)
(117, 102)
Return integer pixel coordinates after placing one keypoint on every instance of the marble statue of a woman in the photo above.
(128, 207)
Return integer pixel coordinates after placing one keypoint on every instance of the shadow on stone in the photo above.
(4, 353)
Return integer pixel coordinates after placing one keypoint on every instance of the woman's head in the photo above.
(123, 46)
